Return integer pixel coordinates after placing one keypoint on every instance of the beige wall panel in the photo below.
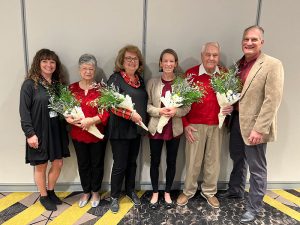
(12, 70)
(74, 27)
(185, 26)
(282, 32)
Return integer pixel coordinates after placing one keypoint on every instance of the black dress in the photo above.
(118, 127)
(36, 119)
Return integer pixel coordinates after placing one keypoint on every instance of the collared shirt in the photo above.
(245, 67)
(202, 70)
(206, 111)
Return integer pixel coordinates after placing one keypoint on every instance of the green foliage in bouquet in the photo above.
(109, 97)
(227, 81)
(61, 99)
(189, 92)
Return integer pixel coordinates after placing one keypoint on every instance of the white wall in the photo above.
(74, 27)
(12, 70)
(77, 27)
(185, 28)
(282, 34)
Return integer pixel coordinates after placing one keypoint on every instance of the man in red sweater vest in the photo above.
(202, 132)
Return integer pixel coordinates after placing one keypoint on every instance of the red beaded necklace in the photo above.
(136, 83)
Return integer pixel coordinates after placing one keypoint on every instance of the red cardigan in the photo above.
(205, 112)
(76, 132)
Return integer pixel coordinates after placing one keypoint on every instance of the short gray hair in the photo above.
(261, 30)
(216, 44)
(87, 59)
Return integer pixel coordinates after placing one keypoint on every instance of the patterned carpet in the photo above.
(280, 207)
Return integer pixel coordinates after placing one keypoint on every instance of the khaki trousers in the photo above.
(205, 150)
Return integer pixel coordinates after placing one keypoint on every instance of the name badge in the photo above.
(52, 114)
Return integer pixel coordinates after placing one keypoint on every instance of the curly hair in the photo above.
(35, 69)
(120, 58)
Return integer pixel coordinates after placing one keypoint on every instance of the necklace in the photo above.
(135, 84)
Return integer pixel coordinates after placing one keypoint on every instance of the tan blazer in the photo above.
(154, 89)
(261, 97)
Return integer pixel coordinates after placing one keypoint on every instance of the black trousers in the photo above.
(255, 157)
(156, 146)
(90, 159)
(125, 153)
(238, 174)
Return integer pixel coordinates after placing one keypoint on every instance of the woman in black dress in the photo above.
(123, 131)
(46, 136)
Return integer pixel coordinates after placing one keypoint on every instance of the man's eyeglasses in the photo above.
(130, 59)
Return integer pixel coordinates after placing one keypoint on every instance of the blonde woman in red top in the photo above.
(90, 150)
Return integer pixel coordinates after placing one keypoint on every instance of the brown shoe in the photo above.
(183, 199)
(212, 201)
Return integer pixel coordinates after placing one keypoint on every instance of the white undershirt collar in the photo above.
(203, 71)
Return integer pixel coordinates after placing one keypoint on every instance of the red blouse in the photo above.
(76, 132)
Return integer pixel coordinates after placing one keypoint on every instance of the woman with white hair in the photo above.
(90, 150)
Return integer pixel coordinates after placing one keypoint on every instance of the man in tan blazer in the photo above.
(254, 122)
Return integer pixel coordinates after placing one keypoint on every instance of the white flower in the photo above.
(176, 99)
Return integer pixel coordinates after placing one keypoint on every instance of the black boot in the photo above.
(53, 197)
(47, 203)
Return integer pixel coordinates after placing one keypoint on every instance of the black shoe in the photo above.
(227, 194)
(53, 197)
(47, 203)
(247, 217)
(153, 206)
(168, 205)
(114, 205)
(134, 198)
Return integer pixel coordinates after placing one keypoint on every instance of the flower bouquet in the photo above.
(111, 98)
(227, 86)
(63, 102)
(184, 93)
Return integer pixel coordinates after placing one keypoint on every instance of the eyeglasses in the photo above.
(130, 59)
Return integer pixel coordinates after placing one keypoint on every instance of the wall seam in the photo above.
(145, 8)
(258, 12)
(24, 33)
